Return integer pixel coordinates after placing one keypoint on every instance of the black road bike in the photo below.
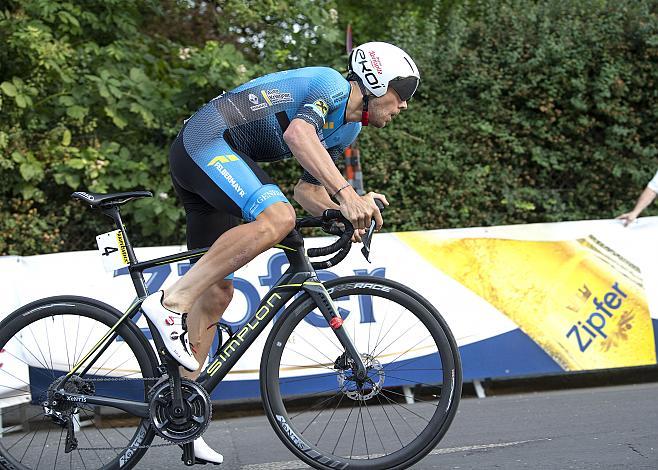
(335, 385)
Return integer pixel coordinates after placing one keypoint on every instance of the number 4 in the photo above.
(109, 250)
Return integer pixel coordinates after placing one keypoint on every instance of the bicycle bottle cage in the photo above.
(222, 327)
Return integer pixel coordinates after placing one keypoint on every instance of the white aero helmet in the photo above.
(378, 65)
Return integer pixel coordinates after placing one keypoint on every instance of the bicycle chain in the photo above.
(123, 379)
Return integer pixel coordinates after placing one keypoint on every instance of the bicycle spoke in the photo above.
(286, 380)
(45, 367)
(15, 427)
(75, 351)
(415, 382)
(45, 442)
(316, 406)
(66, 346)
(383, 407)
(329, 420)
(344, 425)
(384, 392)
(316, 348)
(405, 352)
(52, 366)
(59, 446)
(393, 405)
(395, 340)
(99, 431)
(365, 403)
(313, 360)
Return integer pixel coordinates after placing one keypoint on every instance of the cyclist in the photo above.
(311, 113)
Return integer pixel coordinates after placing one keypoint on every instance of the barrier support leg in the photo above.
(408, 395)
(479, 389)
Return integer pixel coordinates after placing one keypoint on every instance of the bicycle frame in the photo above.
(300, 276)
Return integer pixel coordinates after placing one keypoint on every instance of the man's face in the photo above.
(383, 109)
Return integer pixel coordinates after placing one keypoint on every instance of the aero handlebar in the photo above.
(333, 222)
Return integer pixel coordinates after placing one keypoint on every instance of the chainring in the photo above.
(197, 412)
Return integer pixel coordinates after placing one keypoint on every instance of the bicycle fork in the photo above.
(323, 300)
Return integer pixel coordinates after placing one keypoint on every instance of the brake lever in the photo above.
(365, 250)
(371, 230)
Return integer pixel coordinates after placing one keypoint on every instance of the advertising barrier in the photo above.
(520, 300)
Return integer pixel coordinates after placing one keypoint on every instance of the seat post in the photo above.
(113, 212)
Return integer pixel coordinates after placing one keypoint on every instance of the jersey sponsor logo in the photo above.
(338, 97)
(276, 97)
(218, 162)
(253, 98)
(264, 197)
(320, 107)
(223, 159)
(368, 73)
(272, 98)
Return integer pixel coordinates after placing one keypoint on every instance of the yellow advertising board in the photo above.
(582, 302)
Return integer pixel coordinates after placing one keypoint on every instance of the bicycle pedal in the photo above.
(188, 454)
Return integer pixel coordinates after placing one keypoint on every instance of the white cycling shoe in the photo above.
(204, 454)
(172, 330)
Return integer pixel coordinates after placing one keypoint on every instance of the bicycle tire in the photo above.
(279, 402)
(90, 316)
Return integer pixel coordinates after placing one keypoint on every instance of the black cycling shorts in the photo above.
(209, 212)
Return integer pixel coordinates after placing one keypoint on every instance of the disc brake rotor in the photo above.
(366, 389)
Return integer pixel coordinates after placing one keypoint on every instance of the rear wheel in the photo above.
(40, 343)
(392, 419)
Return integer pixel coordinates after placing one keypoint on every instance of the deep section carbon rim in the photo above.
(39, 347)
(390, 420)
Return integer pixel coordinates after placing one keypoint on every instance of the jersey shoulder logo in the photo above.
(320, 107)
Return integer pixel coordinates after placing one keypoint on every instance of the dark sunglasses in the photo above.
(405, 87)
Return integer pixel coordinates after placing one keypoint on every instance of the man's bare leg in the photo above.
(230, 252)
(202, 317)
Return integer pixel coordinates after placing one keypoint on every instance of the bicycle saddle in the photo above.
(111, 199)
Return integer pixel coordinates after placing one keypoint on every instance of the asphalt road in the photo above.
(595, 428)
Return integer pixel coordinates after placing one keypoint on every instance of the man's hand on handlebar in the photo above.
(357, 237)
(360, 210)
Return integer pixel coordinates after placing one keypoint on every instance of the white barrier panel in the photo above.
(525, 299)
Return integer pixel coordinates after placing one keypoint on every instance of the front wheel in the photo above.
(40, 343)
(394, 417)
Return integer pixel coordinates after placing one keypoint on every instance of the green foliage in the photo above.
(528, 111)
(92, 93)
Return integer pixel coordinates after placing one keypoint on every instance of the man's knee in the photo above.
(277, 221)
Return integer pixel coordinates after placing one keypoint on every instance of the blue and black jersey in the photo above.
(253, 117)
(226, 138)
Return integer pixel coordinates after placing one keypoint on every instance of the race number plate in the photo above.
(113, 250)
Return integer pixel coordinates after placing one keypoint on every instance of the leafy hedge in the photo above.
(528, 110)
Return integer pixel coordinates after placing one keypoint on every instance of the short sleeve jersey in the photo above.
(253, 117)
(653, 184)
